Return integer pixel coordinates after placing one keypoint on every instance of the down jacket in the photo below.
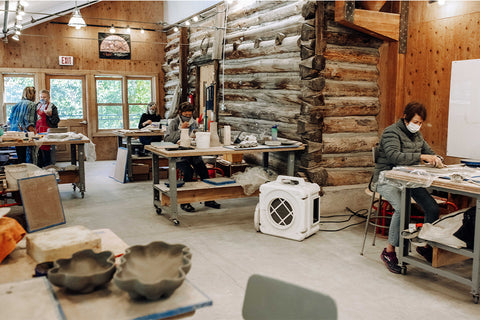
(399, 147)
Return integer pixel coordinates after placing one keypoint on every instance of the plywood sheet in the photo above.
(41, 202)
(29, 299)
(120, 170)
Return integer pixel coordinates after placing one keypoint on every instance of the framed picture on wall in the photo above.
(114, 46)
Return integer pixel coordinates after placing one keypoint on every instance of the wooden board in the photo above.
(200, 191)
(29, 299)
(41, 202)
(442, 257)
(120, 170)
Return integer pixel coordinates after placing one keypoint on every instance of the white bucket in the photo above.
(203, 140)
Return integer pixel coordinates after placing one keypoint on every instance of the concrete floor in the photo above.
(227, 250)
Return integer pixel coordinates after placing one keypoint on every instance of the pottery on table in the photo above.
(84, 272)
(153, 271)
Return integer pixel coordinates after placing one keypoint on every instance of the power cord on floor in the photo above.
(362, 213)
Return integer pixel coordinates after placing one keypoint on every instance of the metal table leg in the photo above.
(291, 163)
(265, 160)
(404, 220)
(476, 257)
(129, 159)
(172, 179)
(81, 169)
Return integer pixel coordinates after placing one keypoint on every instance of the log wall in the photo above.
(288, 63)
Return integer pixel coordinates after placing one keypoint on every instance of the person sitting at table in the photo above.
(47, 114)
(148, 118)
(188, 165)
(23, 118)
(402, 144)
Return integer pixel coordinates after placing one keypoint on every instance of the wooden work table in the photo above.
(200, 191)
(129, 134)
(103, 304)
(463, 188)
(77, 153)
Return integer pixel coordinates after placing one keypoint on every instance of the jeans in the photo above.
(393, 195)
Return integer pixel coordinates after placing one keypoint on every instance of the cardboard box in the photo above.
(233, 158)
(140, 168)
(231, 169)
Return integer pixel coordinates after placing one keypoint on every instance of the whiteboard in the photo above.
(463, 138)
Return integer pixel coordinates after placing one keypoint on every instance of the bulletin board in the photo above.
(464, 110)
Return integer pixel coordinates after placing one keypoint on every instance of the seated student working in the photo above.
(402, 144)
(148, 118)
(188, 165)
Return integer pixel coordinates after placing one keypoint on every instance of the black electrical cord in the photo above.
(362, 213)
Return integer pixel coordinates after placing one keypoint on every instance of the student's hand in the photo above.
(432, 160)
(146, 123)
(185, 125)
(48, 112)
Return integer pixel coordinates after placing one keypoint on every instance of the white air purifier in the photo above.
(289, 208)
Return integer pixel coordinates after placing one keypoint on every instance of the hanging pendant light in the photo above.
(76, 20)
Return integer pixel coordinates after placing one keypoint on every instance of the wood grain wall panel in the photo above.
(39, 47)
(436, 38)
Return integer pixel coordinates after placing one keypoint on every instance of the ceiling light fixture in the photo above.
(142, 31)
(15, 37)
(76, 20)
(17, 32)
(187, 23)
(175, 29)
(195, 19)
(128, 29)
(112, 29)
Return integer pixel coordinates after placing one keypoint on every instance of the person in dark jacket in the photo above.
(146, 119)
(188, 165)
(47, 117)
(402, 144)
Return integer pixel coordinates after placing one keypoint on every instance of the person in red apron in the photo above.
(47, 114)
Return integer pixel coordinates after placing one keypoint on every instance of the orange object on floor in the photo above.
(11, 232)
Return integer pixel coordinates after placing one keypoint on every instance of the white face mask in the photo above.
(413, 128)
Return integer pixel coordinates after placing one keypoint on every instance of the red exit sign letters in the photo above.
(65, 60)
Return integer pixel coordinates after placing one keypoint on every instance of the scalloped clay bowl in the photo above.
(153, 271)
(84, 271)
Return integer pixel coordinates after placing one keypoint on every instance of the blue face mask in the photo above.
(43, 101)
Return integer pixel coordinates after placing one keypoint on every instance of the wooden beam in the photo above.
(183, 64)
(382, 25)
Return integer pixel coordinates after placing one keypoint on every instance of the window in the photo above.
(13, 90)
(118, 109)
(67, 95)
(139, 95)
(109, 103)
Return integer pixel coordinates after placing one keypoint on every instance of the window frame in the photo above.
(49, 77)
(124, 94)
(3, 113)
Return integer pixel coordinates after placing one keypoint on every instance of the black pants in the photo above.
(21, 154)
(149, 140)
(190, 165)
(44, 158)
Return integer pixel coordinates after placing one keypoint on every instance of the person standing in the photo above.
(47, 117)
(148, 118)
(402, 144)
(23, 118)
(188, 165)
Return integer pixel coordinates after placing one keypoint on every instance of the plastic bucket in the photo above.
(203, 140)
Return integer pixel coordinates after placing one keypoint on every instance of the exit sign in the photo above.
(65, 60)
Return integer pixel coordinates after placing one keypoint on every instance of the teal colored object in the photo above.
(274, 132)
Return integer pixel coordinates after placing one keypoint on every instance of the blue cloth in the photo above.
(23, 115)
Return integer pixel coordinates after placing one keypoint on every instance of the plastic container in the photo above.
(203, 140)
(274, 132)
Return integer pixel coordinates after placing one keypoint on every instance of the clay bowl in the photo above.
(84, 272)
(153, 271)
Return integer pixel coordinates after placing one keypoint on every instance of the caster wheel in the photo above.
(159, 211)
(176, 222)
(83, 194)
(475, 299)
(74, 187)
(404, 270)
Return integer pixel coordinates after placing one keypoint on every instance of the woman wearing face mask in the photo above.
(402, 144)
(47, 117)
(147, 119)
(188, 165)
